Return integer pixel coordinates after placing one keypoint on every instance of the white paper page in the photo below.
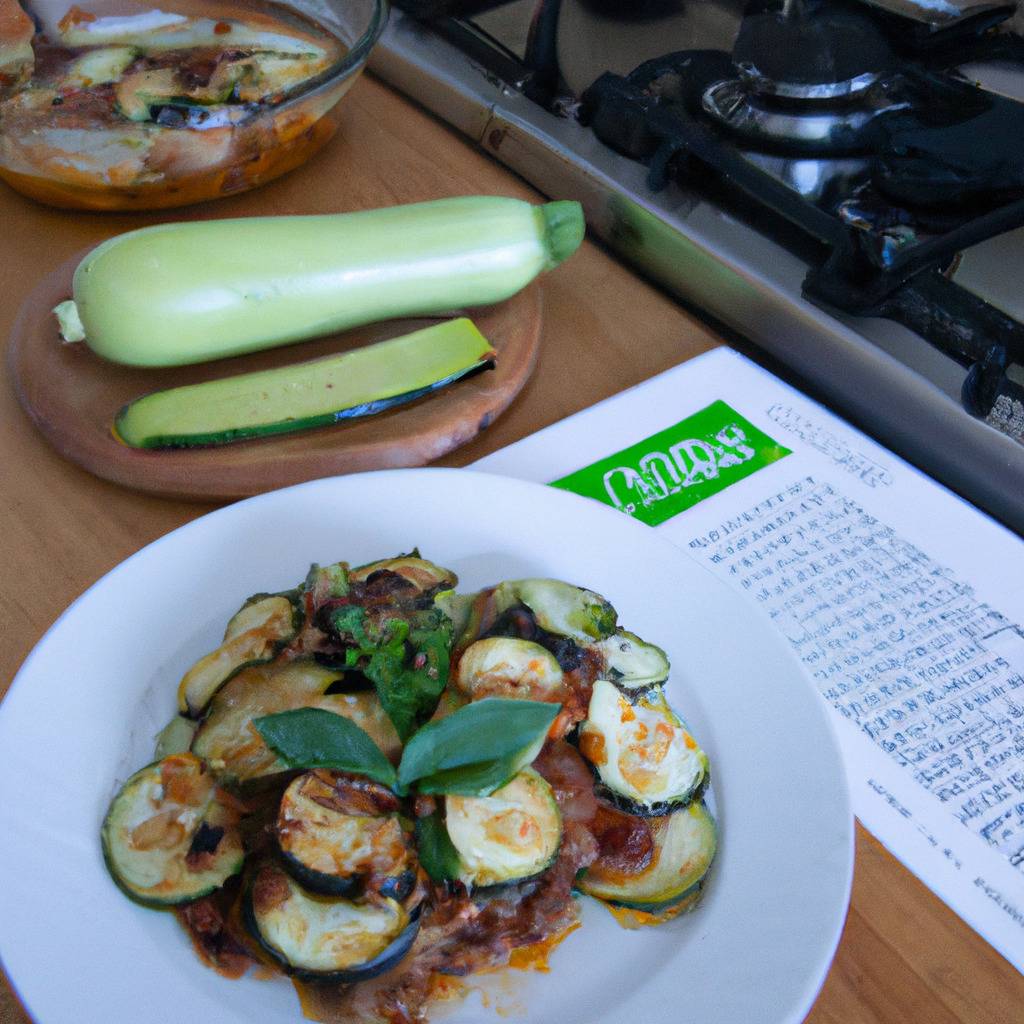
(903, 603)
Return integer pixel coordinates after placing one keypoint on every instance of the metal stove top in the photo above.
(793, 198)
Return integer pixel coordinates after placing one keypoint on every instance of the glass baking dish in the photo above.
(131, 105)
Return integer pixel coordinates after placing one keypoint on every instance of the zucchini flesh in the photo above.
(255, 633)
(335, 939)
(560, 608)
(235, 751)
(630, 663)
(166, 838)
(500, 666)
(684, 846)
(183, 293)
(305, 395)
(514, 833)
(645, 758)
(340, 834)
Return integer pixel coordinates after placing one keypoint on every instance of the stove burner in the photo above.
(817, 51)
(812, 128)
(811, 78)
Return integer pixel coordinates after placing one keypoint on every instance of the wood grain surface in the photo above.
(904, 956)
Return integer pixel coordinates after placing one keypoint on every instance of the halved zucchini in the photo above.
(645, 758)
(167, 838)
(684, 846)
(341, 835)
(300, 396)
(560, 608)
(631, 663)
(510, 835)
(255, 633)
(235, 751)
(322, 937)
(508, 667)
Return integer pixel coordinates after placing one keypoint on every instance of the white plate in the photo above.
(83, 710)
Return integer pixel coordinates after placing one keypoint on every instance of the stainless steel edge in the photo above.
(720, 265)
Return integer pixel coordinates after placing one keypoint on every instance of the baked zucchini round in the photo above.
(330, 938)
(341, 835)
(510, 835)
(167, 837)
(500, 666)
(227, 741)
(560, 608)
(684, 846)
(631, 663)
(256, 632)
(646, 760)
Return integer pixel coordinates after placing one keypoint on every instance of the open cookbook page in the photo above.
(903, 603)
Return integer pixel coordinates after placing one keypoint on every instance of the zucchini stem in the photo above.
(563, 227)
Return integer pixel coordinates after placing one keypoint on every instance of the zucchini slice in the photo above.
(684, 846)
(560, 608)
(341, 835)
(304, 395)
(513, 834)
(329, 938)
(255, 633)
(167, 838)
(645, 758)
(631, 663)
(502, 666)
(425, 576)
(235, 751)
(175, 737)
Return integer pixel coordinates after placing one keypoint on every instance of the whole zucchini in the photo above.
(183, 293)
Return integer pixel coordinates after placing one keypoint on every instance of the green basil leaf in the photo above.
(473, 779)
(410, 668)
(491, 730)
(435, 848)
(314, 738)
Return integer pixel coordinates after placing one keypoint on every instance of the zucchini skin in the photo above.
(174, 294)
(655, 810)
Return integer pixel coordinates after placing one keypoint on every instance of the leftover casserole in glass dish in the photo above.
(126, 104)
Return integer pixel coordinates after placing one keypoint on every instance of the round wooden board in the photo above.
(72, 396)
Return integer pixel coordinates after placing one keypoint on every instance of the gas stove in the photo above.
(840, 182)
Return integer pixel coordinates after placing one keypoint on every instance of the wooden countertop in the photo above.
(904, 956)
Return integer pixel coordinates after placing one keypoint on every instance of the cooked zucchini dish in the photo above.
(375, 780)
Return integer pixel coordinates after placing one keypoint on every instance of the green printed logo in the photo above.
(678, 467)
